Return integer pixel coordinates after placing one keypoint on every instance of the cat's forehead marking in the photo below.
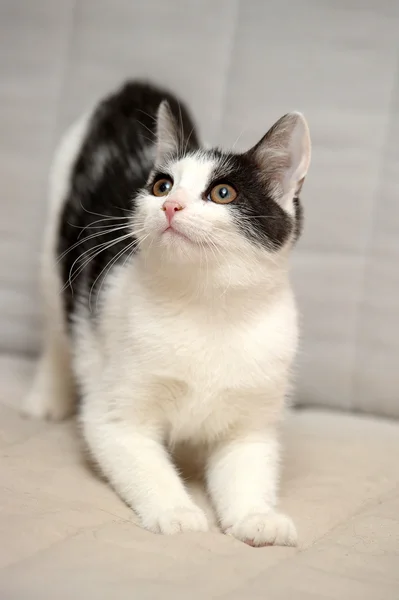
(194, 171)
(198, 170)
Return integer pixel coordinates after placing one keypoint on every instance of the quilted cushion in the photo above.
(65, 534)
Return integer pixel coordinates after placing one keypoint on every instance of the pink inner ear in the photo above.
(168, 133)
(299, 186)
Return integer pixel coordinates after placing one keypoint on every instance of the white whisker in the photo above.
(104, 231)
(93, 252)
(132, 246)
(107, 268)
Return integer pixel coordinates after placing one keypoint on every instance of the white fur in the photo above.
(52, 395)
(193, 344)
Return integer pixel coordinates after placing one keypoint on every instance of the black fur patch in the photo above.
(256, 213)
(113, 164)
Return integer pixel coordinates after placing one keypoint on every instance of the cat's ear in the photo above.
(283, 156)
(167, 133)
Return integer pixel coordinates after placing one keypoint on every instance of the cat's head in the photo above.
(222, 207)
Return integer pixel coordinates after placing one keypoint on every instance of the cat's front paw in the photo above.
(44, 404)
(177, 520)
(264, 529)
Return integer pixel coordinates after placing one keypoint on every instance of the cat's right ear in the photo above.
(167, 133)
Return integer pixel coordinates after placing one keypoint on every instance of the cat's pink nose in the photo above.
(171, 207)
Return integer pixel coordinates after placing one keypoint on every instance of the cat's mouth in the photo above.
(174, 232)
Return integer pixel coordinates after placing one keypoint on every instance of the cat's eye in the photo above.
(223, 193)
(162, 187)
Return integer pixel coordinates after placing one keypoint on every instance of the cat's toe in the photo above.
(41, 405)
(265, 529)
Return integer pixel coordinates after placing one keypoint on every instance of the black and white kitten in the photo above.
(176, 319)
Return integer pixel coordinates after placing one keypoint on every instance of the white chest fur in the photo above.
(194, 367)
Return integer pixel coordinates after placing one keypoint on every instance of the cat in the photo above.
(176, 322)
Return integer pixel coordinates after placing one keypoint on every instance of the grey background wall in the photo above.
(240, 64)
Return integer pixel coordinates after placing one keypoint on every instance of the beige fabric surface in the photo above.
(66, 535)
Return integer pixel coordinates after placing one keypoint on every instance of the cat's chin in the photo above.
(178, 247)
(173, 234)
(179, 243)
(173, 237)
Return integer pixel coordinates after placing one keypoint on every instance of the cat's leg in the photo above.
(140, 469)
(242, 477)
(52, 395)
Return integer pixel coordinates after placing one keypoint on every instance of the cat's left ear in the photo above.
(167, 133)
(283, 156)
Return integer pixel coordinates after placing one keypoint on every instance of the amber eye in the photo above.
(223, 193)
(162, 187)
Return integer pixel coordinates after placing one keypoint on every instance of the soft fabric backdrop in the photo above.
(240, 65)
